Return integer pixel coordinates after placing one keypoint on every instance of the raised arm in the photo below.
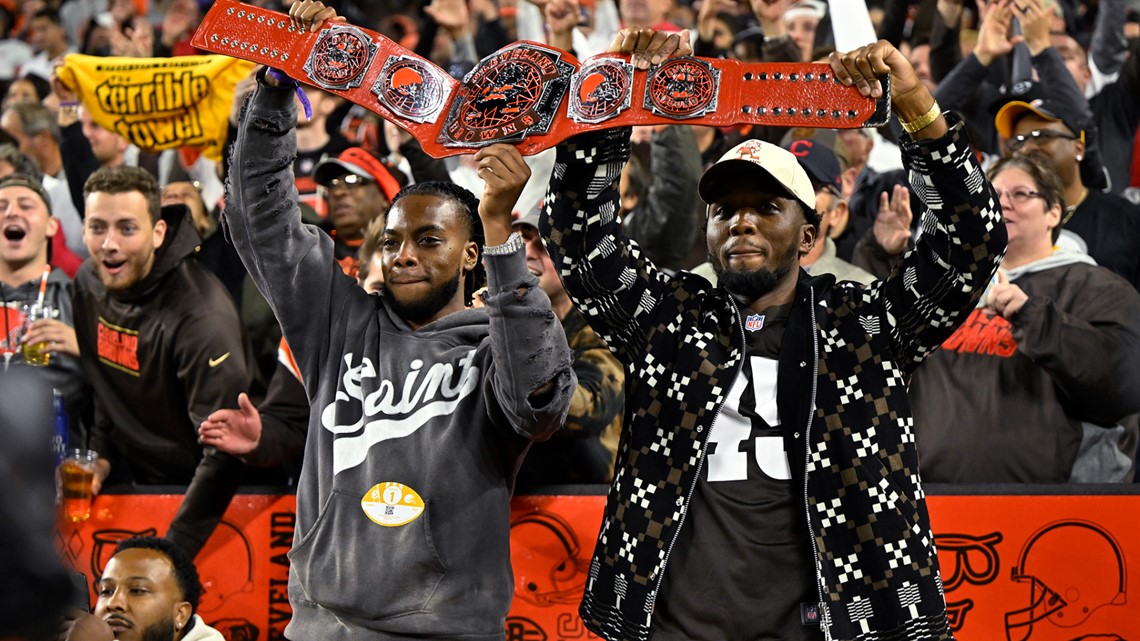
(928, 293)
(531, 376)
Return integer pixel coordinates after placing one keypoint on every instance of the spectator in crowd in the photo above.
(659, 202)
(1108, 225)
(1052, 349)
(27, 89)
(37, 135)
(370, 273)
(1111, 90)
(13, 161)
(25, 214)
(85, 146)
(14, 52)
(358, 187)
(642, 14)
(178, 24)
(149, 591)
(978, 86)
(803, 19)
(215, 252)
(796, 428)
(452, 450)
(583, 450)
(49, 40)
(824, 171)
(161, 343)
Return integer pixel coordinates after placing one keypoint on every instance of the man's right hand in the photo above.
(310, 15)
(648, 47)
(235, 432)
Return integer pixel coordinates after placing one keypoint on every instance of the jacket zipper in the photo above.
(700, 465)
(825, 617)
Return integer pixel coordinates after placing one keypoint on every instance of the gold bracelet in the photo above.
(922, 121)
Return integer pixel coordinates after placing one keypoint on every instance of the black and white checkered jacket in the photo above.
(682, 342)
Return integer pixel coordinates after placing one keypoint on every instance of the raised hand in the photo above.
(993, 34)
(1035, 22)
(910, 100)
(892, 224)
(504, 173)
(452, 16)
(236, 432)
(648, 47)
(1005, 298)
(561, 16)
(310, 15)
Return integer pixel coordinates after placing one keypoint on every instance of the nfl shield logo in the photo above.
(754, 322)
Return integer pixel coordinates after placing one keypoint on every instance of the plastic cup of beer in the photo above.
(76, 478)
(34, 353)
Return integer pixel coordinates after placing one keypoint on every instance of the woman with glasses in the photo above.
(1049, 360)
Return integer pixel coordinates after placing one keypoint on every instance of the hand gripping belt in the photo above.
(532, 95)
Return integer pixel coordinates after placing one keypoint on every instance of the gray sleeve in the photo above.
(1109, 47)
(291, 263)
(528, 349)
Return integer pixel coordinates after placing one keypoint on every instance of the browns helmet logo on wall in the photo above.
(600, 91)
(411, 88)
(340, 57)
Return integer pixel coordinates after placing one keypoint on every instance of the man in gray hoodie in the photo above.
(421, 407)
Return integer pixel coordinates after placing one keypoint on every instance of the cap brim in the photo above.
(330, 168)
(1011, 112)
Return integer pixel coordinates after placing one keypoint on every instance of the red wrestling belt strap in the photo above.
(532, 95)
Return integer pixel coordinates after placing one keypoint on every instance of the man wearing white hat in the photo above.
(767, 486)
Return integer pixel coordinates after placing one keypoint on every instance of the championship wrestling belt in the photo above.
(532, 95)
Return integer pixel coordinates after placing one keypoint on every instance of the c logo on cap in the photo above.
(801, 148)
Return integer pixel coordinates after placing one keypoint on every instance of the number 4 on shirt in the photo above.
(727, 461)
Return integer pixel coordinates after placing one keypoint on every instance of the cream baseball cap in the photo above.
(753, 159)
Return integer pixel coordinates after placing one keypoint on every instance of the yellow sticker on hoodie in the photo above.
(392, 504)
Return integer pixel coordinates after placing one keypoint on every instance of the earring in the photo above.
(1080, 157)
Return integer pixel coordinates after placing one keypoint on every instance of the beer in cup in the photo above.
(76, 477)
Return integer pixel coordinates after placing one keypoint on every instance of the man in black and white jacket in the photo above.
(421, 408)
(768, 484)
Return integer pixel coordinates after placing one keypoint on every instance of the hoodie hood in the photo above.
(182, 240)
(1058, 258)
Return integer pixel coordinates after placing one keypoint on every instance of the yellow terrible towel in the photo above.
(158, 103)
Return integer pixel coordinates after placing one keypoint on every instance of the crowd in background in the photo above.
(1055, 84)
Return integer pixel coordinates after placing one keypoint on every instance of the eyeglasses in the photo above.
(350, 181)
(1018, 196)
(1037, 137)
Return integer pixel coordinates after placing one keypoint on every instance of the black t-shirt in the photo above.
(741, 566)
